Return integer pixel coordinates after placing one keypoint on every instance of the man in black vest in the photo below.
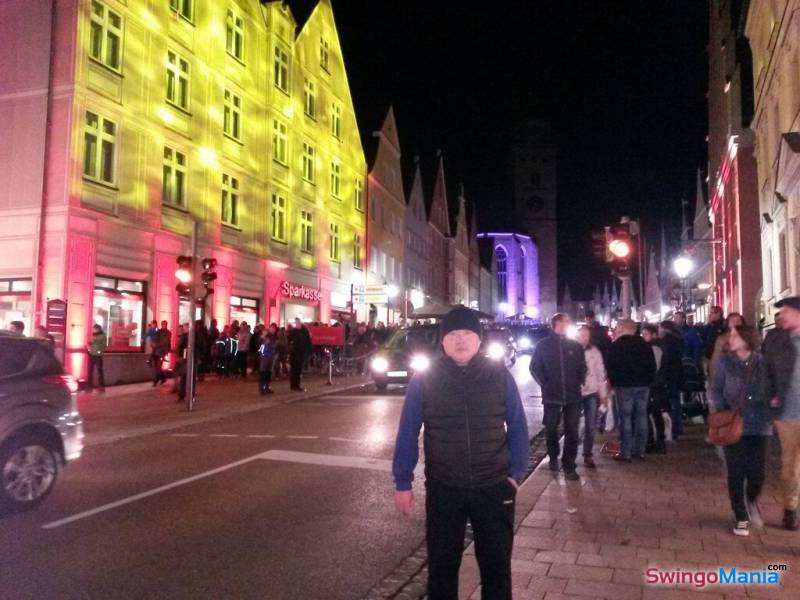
(476, 452)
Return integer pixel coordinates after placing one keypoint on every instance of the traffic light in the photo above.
(184, 275)
(620, 246)
(600, 241)
(208, 275)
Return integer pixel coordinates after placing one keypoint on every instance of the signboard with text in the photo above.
(326, 335)
(300, 292)
(370, 294)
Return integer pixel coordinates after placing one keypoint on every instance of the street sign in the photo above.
(370, 294)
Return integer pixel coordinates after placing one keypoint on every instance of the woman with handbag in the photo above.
(739, 393)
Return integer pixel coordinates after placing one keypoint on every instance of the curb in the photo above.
(189, 420)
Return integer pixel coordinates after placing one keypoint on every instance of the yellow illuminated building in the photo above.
(165, 112)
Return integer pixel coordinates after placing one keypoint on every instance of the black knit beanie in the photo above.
(461, 318)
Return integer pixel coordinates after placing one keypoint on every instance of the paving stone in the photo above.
(580, 572)
(553, 556)
(599, 589)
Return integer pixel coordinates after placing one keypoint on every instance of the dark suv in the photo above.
(40, 428)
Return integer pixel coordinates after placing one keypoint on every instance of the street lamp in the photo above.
(683, 266)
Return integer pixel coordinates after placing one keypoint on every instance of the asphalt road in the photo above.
(293, 501)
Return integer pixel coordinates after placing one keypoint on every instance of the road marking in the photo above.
(223, 435)
(185, 435)
(329, 460)
(261, 436)
(341, 439)
(111, 505)
(303, 437)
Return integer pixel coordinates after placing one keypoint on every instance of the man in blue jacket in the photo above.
(476, 453)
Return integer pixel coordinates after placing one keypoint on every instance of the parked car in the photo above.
(409, 350)
(40, 427)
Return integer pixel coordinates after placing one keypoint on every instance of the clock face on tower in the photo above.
(534, 204)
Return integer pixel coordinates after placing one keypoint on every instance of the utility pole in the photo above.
(190, 348)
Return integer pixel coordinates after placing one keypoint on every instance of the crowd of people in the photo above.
(652, 378)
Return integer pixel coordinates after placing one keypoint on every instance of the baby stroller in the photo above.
(695, 403)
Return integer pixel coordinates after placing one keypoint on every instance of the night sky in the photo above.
(623, 83)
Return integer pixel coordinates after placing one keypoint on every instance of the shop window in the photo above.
(119, 306)
(244, 310)
(105, 45)
(232, 118)
(99, 153)
(234, 35)
(15, 303)
(177, 80)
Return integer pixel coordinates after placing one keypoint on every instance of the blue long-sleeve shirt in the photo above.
(406, 450)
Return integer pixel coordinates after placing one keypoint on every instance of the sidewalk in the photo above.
(595, 539)
(138, 409)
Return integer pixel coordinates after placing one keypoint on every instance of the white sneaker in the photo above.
(741, 528)
(755, 514)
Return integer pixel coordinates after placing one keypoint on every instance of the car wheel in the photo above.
(28, 472)
(381, 385)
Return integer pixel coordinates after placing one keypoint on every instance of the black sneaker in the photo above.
(588, 462)
(790, 520)
(554, 465)
(571, 476)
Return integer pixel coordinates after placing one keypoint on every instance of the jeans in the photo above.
(746, 462)
(491, 512)
(632, 404)
(789, 435)
(96, 361)
(551, 421)
(589, 422)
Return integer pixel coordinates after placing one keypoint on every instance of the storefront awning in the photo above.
(787, 178)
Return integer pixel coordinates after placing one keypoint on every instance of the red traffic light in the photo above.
(620, 248)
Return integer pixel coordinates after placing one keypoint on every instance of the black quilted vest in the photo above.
(464, 413)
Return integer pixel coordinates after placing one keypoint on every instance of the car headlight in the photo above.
(525, 343)
(496, 351)
(379, 364)
(420, 363)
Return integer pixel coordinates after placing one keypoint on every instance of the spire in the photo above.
(684, 224)
(701, 225)
(652, 291)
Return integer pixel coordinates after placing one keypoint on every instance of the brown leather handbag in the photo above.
(726, 427)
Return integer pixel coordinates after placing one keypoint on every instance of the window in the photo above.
(281, 68)
(234, 35)
(230, 200)
(783, 257)
(100, 148)
(279, 143)
(173, 190)
(336, 120)
(308, 162)
(359, 194)
(119, 309)
(177, 80)
(334, 243)
(277, 219)
(521, 276)
(105, 45)
(336, 173)
(306, 231)
(501, 259)
(183, 7)
(357, 252)
(310, 99)
(15, 303)
(324, 54)
(232, 121)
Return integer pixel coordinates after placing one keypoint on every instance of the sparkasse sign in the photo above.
(290, 290)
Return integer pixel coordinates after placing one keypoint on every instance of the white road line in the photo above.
(261, 436)
(341, 439)
(148, 493)
(185, 435)
(329, 460)
(223, 435)
(303, 437)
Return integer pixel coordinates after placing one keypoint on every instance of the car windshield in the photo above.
(415, 338)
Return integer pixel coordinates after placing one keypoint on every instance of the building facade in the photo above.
(474, 262)
(532, 180)
(439, 225)
(773, 30)
(732, 173)
(387, 217)
(417, 256)
(516, 269)
(162, 115)
(458, 281)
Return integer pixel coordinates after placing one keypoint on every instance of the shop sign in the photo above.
(326, 335)
(301, 292)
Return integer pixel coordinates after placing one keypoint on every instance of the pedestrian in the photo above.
(594, 392)
(711, 331)
(161, 348)
(671, 373)
(631, 371)
(40, 333)
(598, 333)
(281, 367)
(783, 360)
(476, 452)
(242, 348)
(182, 363)
(658, 401)
(266, 356)
(299, 345)
(734, 319)
(253, 358)
(150, 337)
(201, 349)
(692, 343)
(741, 381)
(96, 349)
(559, 367)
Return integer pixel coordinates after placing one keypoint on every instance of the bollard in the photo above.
(330, 366)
